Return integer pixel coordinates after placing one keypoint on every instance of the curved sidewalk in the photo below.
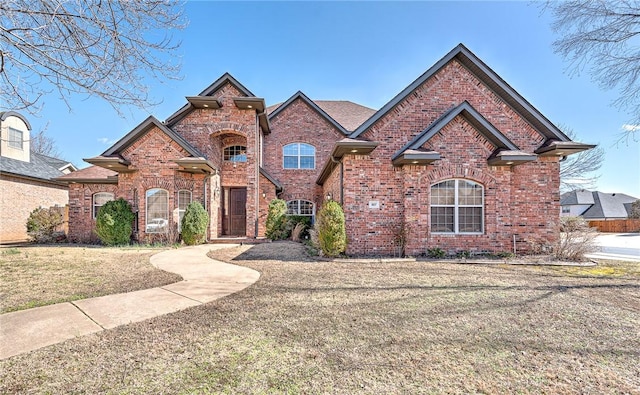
(205, 280)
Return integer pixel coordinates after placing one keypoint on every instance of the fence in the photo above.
(616, 225)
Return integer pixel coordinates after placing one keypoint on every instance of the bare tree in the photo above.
(602, 35)
(579, 171)
(101, 48)
(43, 144)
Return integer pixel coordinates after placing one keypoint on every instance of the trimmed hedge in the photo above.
(114, 223)
(194, 224)
(332, 234)
(276, 226)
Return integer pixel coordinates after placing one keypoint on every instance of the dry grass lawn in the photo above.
(378, 328)
(36, 275)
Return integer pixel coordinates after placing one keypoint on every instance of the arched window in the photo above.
(301, 207)
(457, 206)
(99, 199)
(157, 207)
(184, 198)
(236, 153)
(299, 156)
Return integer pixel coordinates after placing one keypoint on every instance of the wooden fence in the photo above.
(616, 225)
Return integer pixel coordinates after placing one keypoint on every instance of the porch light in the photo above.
(329, 197)
(509, 163)
(205, 105)
(414, 162)
(354, 151)
(264, 195)
(249, 106)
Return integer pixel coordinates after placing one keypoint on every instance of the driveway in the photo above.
(620, 246)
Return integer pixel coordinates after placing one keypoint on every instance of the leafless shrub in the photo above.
(576, 240)
(297, 232)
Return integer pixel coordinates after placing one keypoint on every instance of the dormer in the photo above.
(15, 142)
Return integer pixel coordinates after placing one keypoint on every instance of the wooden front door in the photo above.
(237, 211)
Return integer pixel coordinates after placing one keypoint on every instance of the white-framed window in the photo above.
(301, 207)
(457, 206)
(566, 209)
(184, 198)
(16, 138)
(157, 211)
(99, 199)
(299, 156)
(235, 153)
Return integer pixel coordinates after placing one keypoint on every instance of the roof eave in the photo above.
(115, 163)
(562, 148)
(416, 158)
(353, 147)
(196, 165)
(204, 102)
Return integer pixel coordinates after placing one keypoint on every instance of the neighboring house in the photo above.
(26, 178)
(596, 205)
(457, 160)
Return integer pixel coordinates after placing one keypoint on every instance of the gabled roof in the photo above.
(472, 116)
(208, 91)
(276, 183)
(91, 175)
(143, 128)
(347, 113)
(310, 103)
(577, 197)
(486, 75)
(609, 205)
(39, 167)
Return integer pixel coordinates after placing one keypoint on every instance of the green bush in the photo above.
(194, 224)
(436, 253)
(276, 227)
(42, 224)
(332, 234)
(114, 222)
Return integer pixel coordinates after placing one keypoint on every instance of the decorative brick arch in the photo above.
(228, 127)
(157, 182)
(448, 172)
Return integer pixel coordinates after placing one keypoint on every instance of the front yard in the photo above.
(404, 327)
(36, 275)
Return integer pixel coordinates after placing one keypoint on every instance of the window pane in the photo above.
(15, 138)
(292, 207)
(306, 208)
(442, 219)
(157, 211)
(307, 162)
(443, 193)
(99, 199)
(307, 150)
(291, 149)
(236, 153)
(470, 219)
(290, 162)
(184, 198)
(469, 193)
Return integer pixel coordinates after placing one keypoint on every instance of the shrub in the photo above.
(194, 224)
(296, 233)
(576, 239)
(114, 222)
(635, 210)
(293, 221)
(332, 234)
(436, 253)
(276, 227)
(42, 224)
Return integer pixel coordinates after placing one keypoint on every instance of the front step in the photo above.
(238, 240)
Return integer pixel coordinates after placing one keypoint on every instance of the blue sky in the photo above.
(365, 52)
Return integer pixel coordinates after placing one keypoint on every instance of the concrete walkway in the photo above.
(205, 280)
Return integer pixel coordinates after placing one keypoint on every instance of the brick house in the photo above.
(26, 178)
(457, 160)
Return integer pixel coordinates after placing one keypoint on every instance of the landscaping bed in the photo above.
(311, 326)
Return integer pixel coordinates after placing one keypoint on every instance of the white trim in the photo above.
(299, 143)
(456, 206)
